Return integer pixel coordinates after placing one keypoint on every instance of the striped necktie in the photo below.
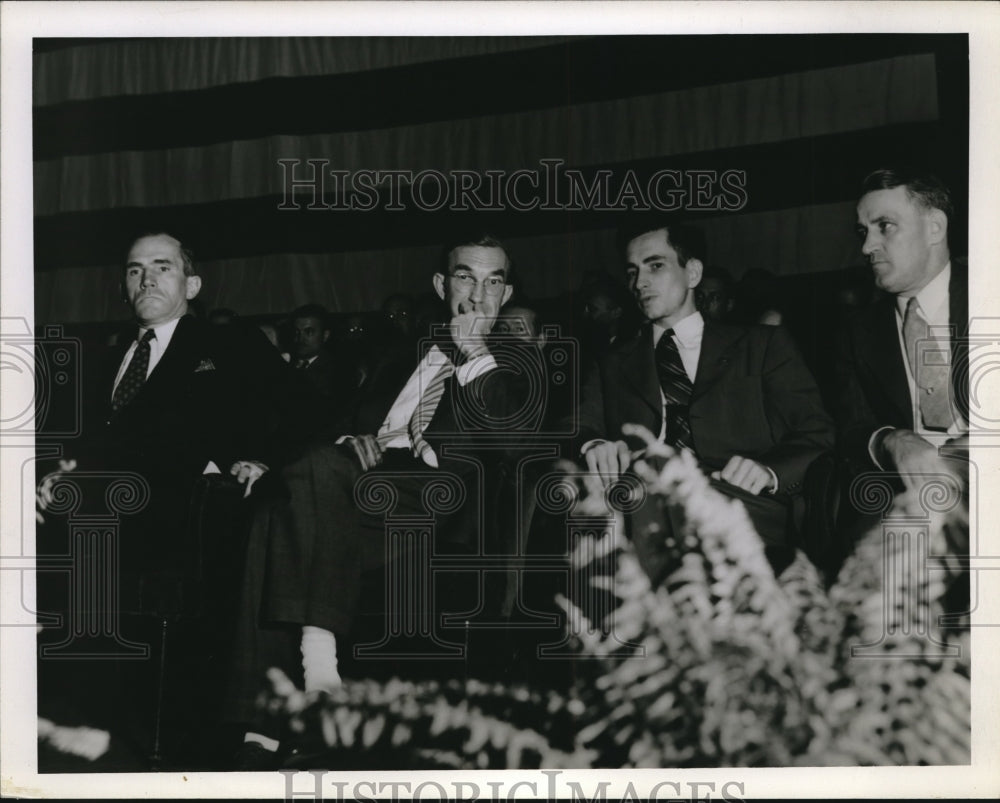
(930, 366)
(677, 388)
(424, 412)
(135, 374)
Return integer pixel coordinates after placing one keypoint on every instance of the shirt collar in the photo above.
(164, 333)
(932, 298)
(687, 330)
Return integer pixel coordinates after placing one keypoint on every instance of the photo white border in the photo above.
(20, 21)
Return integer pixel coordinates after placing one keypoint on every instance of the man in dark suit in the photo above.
(186, 398)
(416, 427)
(738, 396)
(310, 333)
(178, 398)
(901, 365)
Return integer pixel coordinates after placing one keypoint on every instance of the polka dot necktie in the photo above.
(135, 373)
(677, 390)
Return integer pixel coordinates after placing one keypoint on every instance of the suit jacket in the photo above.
(871, 376)
(475, 414)
(217, 394)
(322, 374)
(753, 396)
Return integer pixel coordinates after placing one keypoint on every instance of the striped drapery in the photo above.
(205, 137)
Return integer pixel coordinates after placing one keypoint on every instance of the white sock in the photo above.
(319, 658)
(264, 741)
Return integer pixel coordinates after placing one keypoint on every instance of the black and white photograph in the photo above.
(488, 400)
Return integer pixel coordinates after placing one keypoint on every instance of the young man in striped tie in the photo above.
(739, 397)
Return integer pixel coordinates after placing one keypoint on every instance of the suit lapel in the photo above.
(885, 358)
(717, 343)
(175, 362)
(638, 369)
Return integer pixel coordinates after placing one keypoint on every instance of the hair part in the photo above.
(923, 188)
(480, 239)
(687, 240)
(187, 255)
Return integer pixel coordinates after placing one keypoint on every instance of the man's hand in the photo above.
(609, 459)
(912, 456)
(368, 450)
(746, 474)
(469, 330)
(247, 472)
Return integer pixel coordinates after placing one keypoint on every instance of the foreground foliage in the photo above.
(722, 665)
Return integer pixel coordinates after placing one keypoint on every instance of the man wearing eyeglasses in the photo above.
(412, 426)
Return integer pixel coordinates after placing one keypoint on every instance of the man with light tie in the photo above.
(903, 387)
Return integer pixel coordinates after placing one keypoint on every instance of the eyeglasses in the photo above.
(492, 285)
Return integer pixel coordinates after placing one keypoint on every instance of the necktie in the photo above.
(930, 366)
(135, 374)
(424, 412)
(677, 389)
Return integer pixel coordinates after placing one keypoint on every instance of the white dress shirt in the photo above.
(157, 347)
(406, 402)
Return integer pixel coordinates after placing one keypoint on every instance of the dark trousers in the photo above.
(316, 532)
(771, 517)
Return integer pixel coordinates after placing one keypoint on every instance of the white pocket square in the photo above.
(205, 365)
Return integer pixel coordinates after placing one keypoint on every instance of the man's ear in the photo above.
(193, 286)
(507, 290)
(326, 335)
(694, 270)
(439, 285)
(937, 226)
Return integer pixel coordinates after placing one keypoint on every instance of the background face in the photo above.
(308, 335)
(896, 240)
(601, 310)
(517, 322)
(656, 278)
(155, 284)
(470, 285)
(713, 299)
(398, 313)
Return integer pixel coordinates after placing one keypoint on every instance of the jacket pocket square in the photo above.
(205, 365)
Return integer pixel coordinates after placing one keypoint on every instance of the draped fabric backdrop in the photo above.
(185, 135)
